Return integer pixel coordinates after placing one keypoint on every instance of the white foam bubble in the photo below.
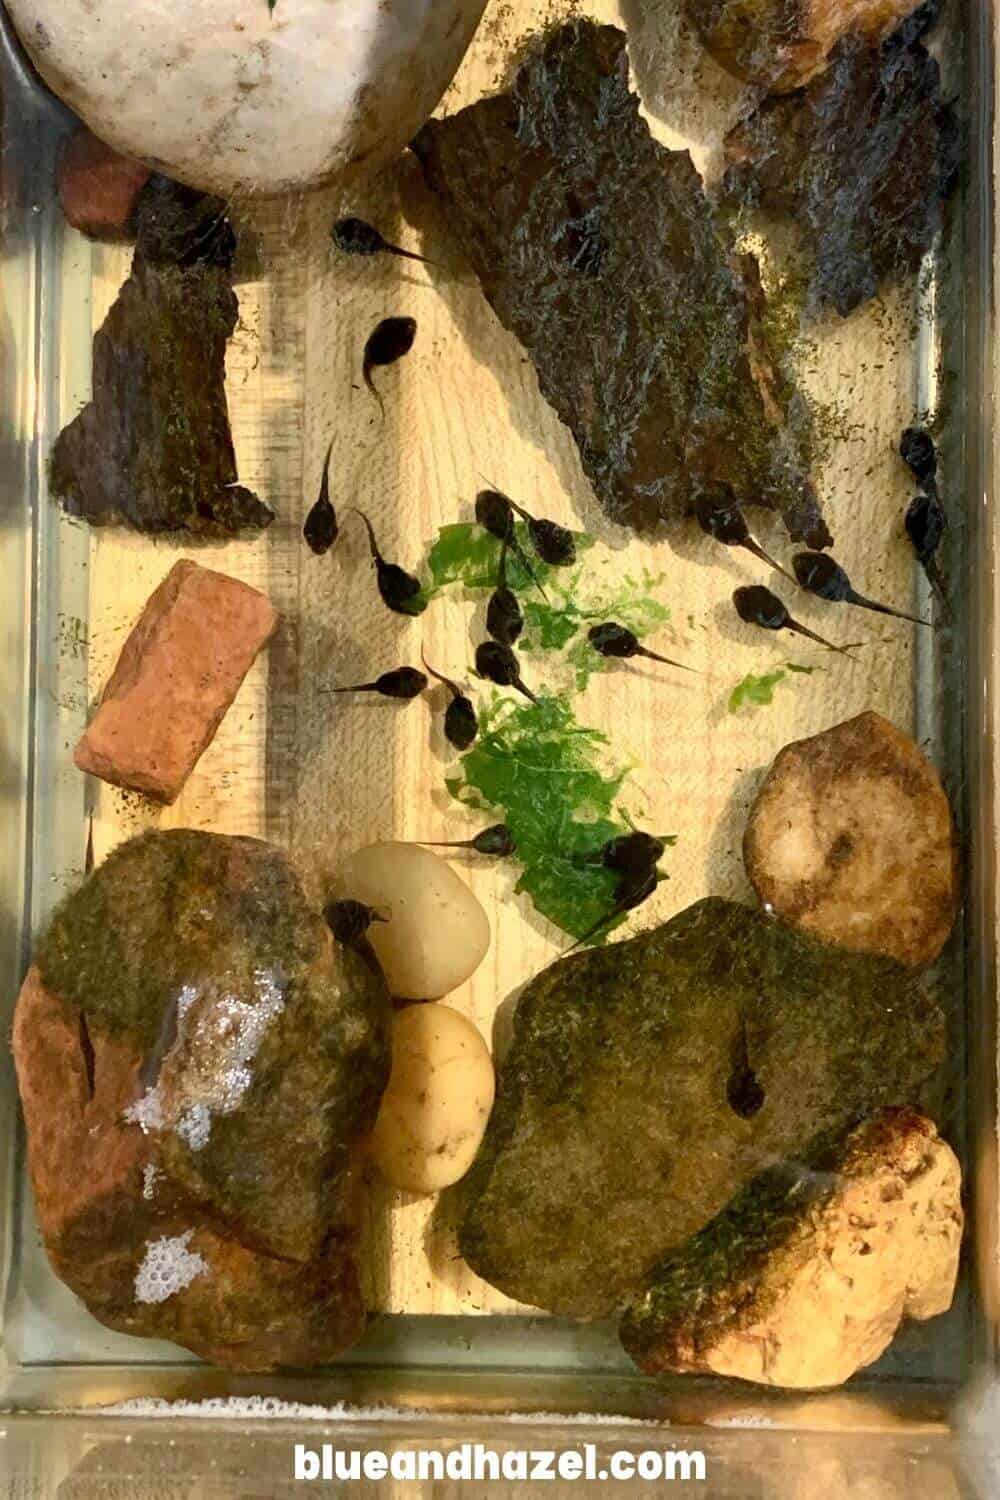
(167, 1268)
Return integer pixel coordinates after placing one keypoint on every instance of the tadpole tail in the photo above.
(361, 687)
(525, 690)
(758, 551)
(376, 554)
(369, 382)
(812, 636)
(424, 260)
(446, 680)
(936, 582)
(655, 656)
(88, 858)
(884, 609)
(592, 932)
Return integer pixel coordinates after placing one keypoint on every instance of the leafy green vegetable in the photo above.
(758, 691)
(543, 768)
(465, 553)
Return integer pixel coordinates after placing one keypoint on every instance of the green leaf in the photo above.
(546, 772)
(755, 690)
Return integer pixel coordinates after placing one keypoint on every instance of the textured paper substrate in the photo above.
(323, 775)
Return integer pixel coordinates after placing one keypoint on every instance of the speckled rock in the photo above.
(851, 838)
(806, 1277)
(177, 675)
(200, 1070)
(651, 1080)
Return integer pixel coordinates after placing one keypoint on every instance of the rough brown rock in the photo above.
(807, 1276)
(851, 839)
(862, 160)
(153, 448)
(599, 249)
(98, 187)
(176, 677)
(649, 1081)
(782, 44)
(200, 1071)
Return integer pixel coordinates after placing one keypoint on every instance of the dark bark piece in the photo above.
(614, 1137)
(864, 159)
(153, 448)
(195, 1173)
(779, 45)
(598, 248)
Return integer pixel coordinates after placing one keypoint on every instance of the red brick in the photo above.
(177, 675)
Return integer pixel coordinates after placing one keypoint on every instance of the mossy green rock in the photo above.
(649, 1081)
(200, 1068)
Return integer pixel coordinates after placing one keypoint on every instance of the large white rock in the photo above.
(232, 95)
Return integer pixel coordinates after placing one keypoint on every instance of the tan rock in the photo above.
(200, 1071)
(806, 1277)
(850, 838)
(781, 46)
(98, 187)
(177, 675)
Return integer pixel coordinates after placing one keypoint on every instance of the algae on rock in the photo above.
(649, 1081)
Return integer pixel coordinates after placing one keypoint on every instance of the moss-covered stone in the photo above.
(200, 1068)
(649, 1081)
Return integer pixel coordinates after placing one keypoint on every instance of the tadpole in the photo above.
(400, 591)
(461, 724)
(917, 450)
(720, 518)
(619, 643)
(819, 574)
(926, 523)
(504, 620)
(386, 344)
(756, 605)
(554, 544)
(631, 854)
(630, 892)
(744, 1093)
(357, 237)
(495, 514)
(321, 529)
(498, 664)
(404, 682)
(350, 920)
(497, 841)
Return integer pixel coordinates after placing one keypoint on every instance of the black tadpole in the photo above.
(321, 529)
(495, 514)
(400, 591)
(405, 682)
(497, 841)
(756, 605)
(350, 920)
(926, 523)
(630, 892)
(631, 854)
(357, 237)
(819, 574)
(722, 519)
(554, 544)
(504, 620)
(917, 450)
(386, 344)
(461, 724)
(498, 664)
(620, 643)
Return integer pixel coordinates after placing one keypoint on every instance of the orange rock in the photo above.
(177, 675)
(98, 187)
